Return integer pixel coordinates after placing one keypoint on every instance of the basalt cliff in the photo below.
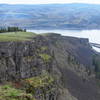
(49, 67)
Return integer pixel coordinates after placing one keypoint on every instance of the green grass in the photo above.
(45, 57)
(41, 83)
(26, 89)
(44, 48)
(8, 92)
(16, 36)
(43, 80)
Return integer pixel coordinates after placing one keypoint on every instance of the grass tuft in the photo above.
(45, 57)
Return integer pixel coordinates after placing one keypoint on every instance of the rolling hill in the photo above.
(51, 16)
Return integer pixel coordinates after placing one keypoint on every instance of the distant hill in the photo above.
(51, 16)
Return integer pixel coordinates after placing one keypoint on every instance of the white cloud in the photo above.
(48, 1)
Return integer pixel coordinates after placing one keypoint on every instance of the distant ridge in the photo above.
(51, 16)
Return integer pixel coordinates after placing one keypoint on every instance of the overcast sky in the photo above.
(48, 1)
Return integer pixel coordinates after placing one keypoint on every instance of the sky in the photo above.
(48, 1)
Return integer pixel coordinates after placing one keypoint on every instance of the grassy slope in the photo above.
(25, 89)
(9, 92)
(16, 36)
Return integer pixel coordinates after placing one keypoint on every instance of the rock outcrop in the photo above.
(68, 60)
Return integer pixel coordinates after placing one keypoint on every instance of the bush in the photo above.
(45, 57)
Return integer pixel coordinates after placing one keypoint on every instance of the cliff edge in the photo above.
(55, 67)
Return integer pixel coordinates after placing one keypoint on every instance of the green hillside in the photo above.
(16, 36)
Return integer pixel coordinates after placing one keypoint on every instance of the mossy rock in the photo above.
(43, 80)
(44, 48)
(28, 58)
(45, 57)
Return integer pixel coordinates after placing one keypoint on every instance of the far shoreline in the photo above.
(74, 29)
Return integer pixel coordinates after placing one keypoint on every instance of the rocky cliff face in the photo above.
(68, 61)
(20, 59)
(74, 61)
(23, 60)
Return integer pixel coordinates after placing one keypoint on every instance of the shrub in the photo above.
(45, 57)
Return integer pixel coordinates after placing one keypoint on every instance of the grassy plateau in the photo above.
(16, 36)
